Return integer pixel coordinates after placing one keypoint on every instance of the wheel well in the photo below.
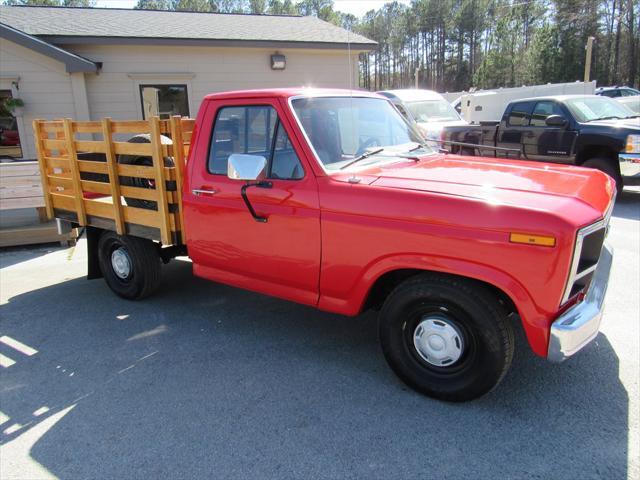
(385, 284)
(594, 151)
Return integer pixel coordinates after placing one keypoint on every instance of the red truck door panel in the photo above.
(280, 257)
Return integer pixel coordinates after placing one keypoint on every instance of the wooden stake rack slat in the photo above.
(81, 177)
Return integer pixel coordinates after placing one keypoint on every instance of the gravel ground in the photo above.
(207, 381)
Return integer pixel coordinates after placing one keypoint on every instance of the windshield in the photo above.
(343, 129)
(588, 109)
(432, 111)
(632, 103)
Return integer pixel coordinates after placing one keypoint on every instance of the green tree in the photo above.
(191, 5)
(52, 3)
(258, 6)
(282, 7)
(153, 5)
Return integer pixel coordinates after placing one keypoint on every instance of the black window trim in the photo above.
(527, 115)
(273, 142)
(558, 105)
(156, 85)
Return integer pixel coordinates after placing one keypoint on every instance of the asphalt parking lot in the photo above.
(207, 381)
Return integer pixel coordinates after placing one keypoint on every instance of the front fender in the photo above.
(535, 322)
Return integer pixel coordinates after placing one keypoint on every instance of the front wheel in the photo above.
(446, 337)
(130, 265)
(607, 166)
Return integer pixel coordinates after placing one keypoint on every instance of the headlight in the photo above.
(633, 144)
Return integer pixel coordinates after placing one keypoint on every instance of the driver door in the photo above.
(544, 142)
(279, 257)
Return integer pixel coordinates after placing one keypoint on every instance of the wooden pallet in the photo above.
(70, 193)
(20, 198)
(20, 185)
(33, 234)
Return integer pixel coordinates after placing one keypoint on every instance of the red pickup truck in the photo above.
(331, 199)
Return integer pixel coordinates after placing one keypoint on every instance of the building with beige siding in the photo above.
(127, 64)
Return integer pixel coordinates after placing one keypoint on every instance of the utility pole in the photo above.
(587, 63)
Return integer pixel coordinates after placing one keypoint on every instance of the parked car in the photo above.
(429, 110)
(586, 130)
(632, 103)
(616, 92)
(328, 198)
(9, 138)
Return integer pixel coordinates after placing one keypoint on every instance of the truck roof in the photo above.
(557, 98)
(291, 92)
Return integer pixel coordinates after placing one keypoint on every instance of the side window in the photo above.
(542, 111)
(519, 115)
(285, 163)
(251, 130)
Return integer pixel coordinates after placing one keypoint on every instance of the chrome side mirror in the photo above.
(247, 167)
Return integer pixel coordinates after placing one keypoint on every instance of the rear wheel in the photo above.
(607, 166)
(130, 265)
(446, 337)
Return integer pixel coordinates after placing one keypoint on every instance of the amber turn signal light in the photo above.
(529, 239)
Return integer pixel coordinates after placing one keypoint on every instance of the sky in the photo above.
(355, 7)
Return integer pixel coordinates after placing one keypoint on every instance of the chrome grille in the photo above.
(589, 242)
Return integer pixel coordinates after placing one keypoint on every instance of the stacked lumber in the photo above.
(20, 188)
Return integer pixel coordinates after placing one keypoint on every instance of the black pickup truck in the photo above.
(587, 130)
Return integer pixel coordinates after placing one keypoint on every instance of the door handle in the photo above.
(197, 192)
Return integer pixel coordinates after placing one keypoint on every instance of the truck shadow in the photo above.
(204, 381)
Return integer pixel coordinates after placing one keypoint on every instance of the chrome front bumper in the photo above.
(629, 165)
(579, 325)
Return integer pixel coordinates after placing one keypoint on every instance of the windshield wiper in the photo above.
(366, 154)
(417, 147)
(613, 117)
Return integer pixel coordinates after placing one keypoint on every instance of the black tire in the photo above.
(607, 166)
(144, 161)
(472, 311)
(143, 278)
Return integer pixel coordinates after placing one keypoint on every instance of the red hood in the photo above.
(525, 184)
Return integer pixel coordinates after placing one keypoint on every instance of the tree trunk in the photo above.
(616, 54)
(633, 59)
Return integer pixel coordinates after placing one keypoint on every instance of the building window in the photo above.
(164, 100)
(9, 136)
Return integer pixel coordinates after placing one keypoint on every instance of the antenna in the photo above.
(349, 53)
(350, 84)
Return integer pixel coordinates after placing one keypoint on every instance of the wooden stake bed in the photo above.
(82, 179)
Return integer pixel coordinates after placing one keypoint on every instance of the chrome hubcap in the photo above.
(121, 263)
(438, 341)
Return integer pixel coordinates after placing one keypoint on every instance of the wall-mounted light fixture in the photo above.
(278, 62)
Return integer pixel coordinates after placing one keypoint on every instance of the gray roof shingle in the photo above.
(60, 23)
